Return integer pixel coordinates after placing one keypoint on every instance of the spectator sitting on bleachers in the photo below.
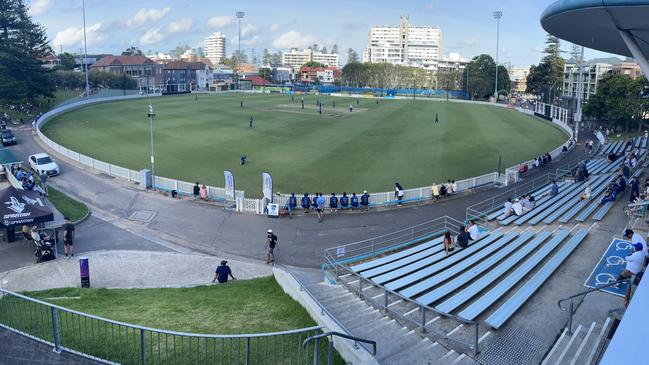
(463, 238)
(517, 207)
(554, 189)
(508, 207)
(344, 201)
(474, 230)
(610, 195)
(611, 157)
(333, 203)
(585, 195)
(621, 184)
(448, 242)
(635, 188)
(526, 203)
(435, 190)
(365, 200)
(625, 170)
(354, 201)
(584, 170)
(305, 202)
(634, 262)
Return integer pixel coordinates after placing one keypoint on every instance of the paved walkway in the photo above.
(183, 224)
(19, 350)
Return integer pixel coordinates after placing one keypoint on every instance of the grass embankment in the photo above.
(246, 306)
(370, 148)
(71, 208)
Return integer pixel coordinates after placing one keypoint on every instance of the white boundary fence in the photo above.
(252, 205)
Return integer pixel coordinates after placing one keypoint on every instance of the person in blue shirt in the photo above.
(222, 273)
(306, 202)
(320, 205)
(365, 200)
(291, 204)
(621, 184)
(554, 189)
(344, 201)
(354, 201)
(333, 202)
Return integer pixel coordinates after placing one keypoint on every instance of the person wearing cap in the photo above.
(634, 262)
(636, 238)
(269, 245)
(517, 207)
(222, 272)
(365, 200)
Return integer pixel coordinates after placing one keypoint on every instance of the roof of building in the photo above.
(256, 80)
(183, 65)
(595, 23)
(316, 69)
(124, 61)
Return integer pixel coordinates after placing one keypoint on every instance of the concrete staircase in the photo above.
(580, 348)
(396, 344)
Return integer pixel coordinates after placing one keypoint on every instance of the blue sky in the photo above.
(467, 25)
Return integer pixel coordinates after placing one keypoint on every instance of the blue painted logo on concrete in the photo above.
(610, 266)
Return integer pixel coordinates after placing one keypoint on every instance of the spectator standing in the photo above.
(68, 238)
(448, 242)
(197, 191)
(203, 192)
(634, 262)
(43, 177)
(269, 245)
(463, 238)
(320, 206)
(636, 238)
(398, 192)
(365, 200)
(222, 272)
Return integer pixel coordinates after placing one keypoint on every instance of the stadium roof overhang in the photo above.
(613, 26)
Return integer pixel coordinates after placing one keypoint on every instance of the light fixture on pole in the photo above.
(85, 47)
(240, 15)
(151, 115)
(497, 15)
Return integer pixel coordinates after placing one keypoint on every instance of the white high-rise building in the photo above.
(296, 58)
(214, 47)
(403, 44)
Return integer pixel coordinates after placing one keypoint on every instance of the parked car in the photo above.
(43, 162)
(8, 137)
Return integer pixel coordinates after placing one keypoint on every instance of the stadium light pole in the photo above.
(240, 15)
(151, 115)
(85, 47)
(497, 15)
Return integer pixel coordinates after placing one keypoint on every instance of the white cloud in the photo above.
(248, 29)
(182, 25)
(293, 39)
(73, 36)
(144, 16)
(153, 35)
(220, 21)
(39, 7)
(274, 27)
(248, 42)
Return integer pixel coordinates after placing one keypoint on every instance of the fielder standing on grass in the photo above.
(269, 245)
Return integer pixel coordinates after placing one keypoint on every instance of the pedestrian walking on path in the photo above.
(222, 272)
(68, 238)
(269, 245)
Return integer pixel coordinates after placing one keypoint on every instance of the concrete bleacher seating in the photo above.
(569, 189)
(595, 196)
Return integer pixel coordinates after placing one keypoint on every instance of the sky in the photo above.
(467, 26)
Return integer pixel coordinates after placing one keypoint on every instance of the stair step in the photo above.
(569, 344)
(556, 346)
(582, 345)
(598, 341)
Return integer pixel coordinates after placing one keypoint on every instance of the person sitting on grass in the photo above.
(585, 195)
(448, 242)
(354, 201)
(222, 273)
(365, 200)
(333, 203)
(305, 202)
(344, 201)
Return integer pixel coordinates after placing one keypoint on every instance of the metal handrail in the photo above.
(583, 294)
(330, 345)
(323, 309)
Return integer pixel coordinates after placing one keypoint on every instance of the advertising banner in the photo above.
(267, 184)
(229, 185)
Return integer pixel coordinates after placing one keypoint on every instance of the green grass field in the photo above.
(71, 208)
(368, 149)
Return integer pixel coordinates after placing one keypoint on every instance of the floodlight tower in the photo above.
(240, 15)
(497, 15)
(85, 48)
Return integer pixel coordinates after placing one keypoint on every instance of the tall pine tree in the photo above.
(22, 44)
(549, 72)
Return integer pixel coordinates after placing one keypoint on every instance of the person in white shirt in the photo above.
(508, 207)
(634, 262)
(585, 195)
(636, 238)
(517, 207)
(525, 202)
(474, 231)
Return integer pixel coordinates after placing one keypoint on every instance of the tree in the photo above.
(334, 49)
(481, 73)
(549, 72)
(266, 57)
(266, 73)
(324, 50)
(66, 61)
(22, 44)
(449, 80)
(313, 64)
(618, 100)
(276, 58)
(352, 56)
(132, 51)
(315, 47)
(240, 57)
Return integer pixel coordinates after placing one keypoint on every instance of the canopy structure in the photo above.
(613, 26)
(18, 207)
(7, 158)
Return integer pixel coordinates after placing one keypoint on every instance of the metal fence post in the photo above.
(476, 339)
(247, 350)
(316, 351)
(55, 327)
(570, 319)
(385, 300)
(423, 319)
(142, 347)
(360, 287)
(330, 351)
